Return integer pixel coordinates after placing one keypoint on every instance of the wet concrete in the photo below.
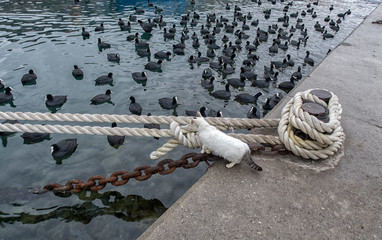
(287, 201)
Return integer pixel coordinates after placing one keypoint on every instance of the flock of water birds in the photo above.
(224, 40)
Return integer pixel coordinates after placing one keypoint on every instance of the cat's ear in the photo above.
(198, 114)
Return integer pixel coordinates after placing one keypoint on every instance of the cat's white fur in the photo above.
(230, 148)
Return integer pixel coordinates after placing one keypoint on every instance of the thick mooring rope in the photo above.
(324, 139)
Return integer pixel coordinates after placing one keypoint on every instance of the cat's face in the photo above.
(198, 121)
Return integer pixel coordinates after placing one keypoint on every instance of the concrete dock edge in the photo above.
(286, 201)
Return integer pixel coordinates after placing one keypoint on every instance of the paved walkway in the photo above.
(289, 202)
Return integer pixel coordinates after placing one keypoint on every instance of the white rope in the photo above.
(220, 123)
(325, 138)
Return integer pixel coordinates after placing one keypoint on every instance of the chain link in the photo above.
(142, 173)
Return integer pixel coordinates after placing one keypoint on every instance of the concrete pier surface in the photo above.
(286, 201)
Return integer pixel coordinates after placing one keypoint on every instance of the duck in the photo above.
(201, 59)
(134, 107)
(297, 75)
(144, 52)
(63, 148)
(147, 27)
(105, 79)
(132, 18)
(227, 69)
(77, 73)
(274, 48)
(202, 111)
(139, 11)
(168, 35)
(214, 113)
(162, 55)
(253, 113)
(55, 101)
(181, 45)
(35, 137)
(114, 57)
(237, 82)
(139, 76)
(149, 4)
(141, 44)
(6, 96)
(308, 60)
(132, 37)
(168, 103)
(217, 65)
(287, 86)
(327, 35)
(158, 9)
(247, 74)
(207, 73)
(102, 98)
(211, 53)
(192, 59)
(247, 98)
(290, 61)
(102, 44)
(153, 65)
(99, 28)
(125, 27)
(223, 94)
(84, 33)
(29, 78)
(114, 140)
(178, 51)
(208, 83)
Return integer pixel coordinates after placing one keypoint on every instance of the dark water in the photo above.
(45, 36)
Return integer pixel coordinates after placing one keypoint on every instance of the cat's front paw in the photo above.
(208, 151)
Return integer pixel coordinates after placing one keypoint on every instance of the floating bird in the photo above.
(134, 107)
(162, 55)
(99, 28)
(115, 141)
(84, 33)
(101, 98)
(139, 76)
(6, 96)
(202, 111)
(30, 138)
(223, 94)
(208, 83)
(308, 60)
(105, 79)
(253, 113)
(77, 73)
(168, 103)
(153, 65)
(114, 57)
(63, 148)
(29, 78)
(55, 101)
(247, 98)
(102, 45)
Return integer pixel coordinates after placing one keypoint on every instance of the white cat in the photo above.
(230, 148)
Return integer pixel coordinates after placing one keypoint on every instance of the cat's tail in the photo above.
(248, 159)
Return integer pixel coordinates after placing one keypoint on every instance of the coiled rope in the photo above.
(324, 139)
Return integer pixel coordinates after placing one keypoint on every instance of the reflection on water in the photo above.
(131, 208)
(45, 36)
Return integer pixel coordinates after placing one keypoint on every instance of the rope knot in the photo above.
(311, 133)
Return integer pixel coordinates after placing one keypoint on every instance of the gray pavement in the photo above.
(286, 201)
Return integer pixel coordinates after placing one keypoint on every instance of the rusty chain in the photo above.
(164, 167)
